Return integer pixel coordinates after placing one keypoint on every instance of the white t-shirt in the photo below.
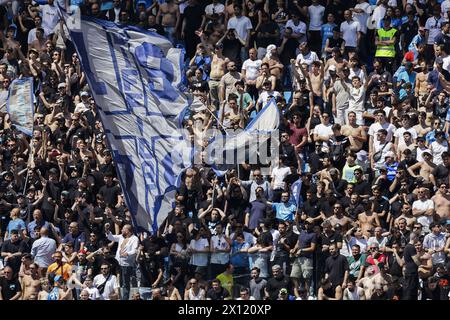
(251, 68)
(374, 127)
(308, 58)
(50, 17)
(399, 134)
(221, 244)
(381, 243)
(94, 294)
(433, 25)
(378, 14)
(424, 219)
(388, 147)
(298, 29)
(214, 8)
(419, 151)
(199, 259)
(350, 32)
(357, 72)
(316, 17)
(243, 25)
(436, 151)
(110, 286)
(362, 17)
(324, 130)
(32, 35)
(264, 97)
(357, 96)
(445, 5)
(446, 64)
(278, 176)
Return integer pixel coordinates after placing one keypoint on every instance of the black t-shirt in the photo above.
(410, 266)
(193, 18)
(409, 30)
(269, 27)
(110, 193)
(289, 51)
(232, 49)
(287, 150)
(311, 208)
(274, 285)
(9, 288)
(362, 188)
(441, 173)
(220, 295)
(10, 247)
(336, 267)
(156, 28)
(326, 206)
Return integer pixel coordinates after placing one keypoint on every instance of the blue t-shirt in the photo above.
(391, 171)
(411, 78)
(239, 259)
(305, 239)
(16, 224)
(327, 32)
(284, 211)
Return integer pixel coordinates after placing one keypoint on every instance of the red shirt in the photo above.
(296, 134)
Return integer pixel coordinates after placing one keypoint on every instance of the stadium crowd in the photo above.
(363, 92)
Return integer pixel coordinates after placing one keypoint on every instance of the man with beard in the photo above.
(257, 284)
(11, 251)
(283, 245)
(276, 283)
(59, 267)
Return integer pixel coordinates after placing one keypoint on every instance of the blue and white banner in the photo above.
(256, 144)
(296, 189)
(136, 80)
(19, 105)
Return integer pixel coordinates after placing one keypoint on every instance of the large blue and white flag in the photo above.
(136, 80)
(257, 143)
(20, 105)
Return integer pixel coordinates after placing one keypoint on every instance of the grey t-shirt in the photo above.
(342, 96)
(257, 289)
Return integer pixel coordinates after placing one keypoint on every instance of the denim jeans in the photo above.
(127, 280)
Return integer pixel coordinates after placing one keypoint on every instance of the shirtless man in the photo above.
(406, 216)
(420, 87)
(264, 77)
(425, 167)
(356, 133)
(408, 143)
(218, 69)
(382, 279)
(442, 202)
(366, 283)
(368, 220)
(31, 283)
(169, 13)
(316, 79)
(339, 218)
(275, 65)
(336, 60)
(422, 128)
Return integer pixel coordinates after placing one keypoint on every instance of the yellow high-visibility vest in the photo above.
(386, 51)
